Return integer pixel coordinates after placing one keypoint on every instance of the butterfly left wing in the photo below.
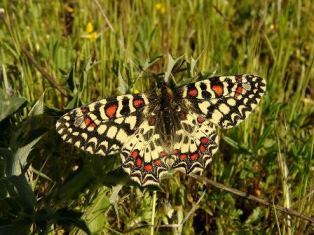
(105, 125)
(195, 144)
(143, 156)
(225, 101)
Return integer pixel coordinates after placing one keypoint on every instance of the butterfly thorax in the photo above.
(163, 114)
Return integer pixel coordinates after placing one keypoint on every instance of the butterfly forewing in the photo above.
(103, 126)
(225, 101)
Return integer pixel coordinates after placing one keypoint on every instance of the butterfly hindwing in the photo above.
(225, 100)
(195, 144)
(143, 156)
(103, 126)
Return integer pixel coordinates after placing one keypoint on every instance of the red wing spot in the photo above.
(162, 154)
(148, 167)
(218, 89)
(202, 148)
(138, 162)
(175, 151)
(239, 90)
(192, 92)
(157, 162)
(87, 121)
(194, 156)
(134, 154)
(204, 140)
(111, 110)
(183, 156)
(85, 110)
(138, 102)
(200, 119)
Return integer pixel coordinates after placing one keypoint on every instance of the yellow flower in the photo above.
(160, 8)
(90, 33)
(91, 36)
(89, 27)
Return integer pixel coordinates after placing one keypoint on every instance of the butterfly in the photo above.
(167, 128)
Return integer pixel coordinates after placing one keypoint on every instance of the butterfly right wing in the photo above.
(224, 100)
(103, 126)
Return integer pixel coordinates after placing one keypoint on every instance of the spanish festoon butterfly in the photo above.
(168, 128)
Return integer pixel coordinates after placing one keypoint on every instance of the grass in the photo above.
(57, 55)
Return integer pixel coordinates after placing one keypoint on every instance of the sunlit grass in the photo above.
(92, 51)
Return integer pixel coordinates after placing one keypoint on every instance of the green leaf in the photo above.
(19, 158)
(255, 216)
(17, 205)
(22, 193)
(192, 65)
(17, 227)
(9, 105)
(75, 102)
(243, 149)
(38, 108)
(95, 213)
(171, 64)
(70, 217)
(149, 62)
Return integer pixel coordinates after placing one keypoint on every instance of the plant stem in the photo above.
(153, 213)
